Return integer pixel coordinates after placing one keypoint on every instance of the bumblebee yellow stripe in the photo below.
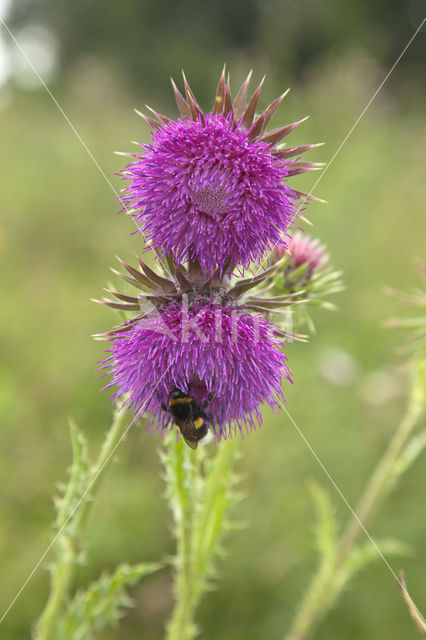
(198, 423)
(174, 401)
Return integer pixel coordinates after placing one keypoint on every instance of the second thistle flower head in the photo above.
(211, 352)
(211, 187)
(209, 340)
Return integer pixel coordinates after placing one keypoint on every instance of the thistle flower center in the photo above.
(211, 199)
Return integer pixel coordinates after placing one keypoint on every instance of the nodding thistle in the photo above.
(213, 186)
(202, 346)
(208, 338)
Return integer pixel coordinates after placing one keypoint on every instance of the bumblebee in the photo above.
(188, 415)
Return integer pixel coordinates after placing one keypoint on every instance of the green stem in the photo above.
(61, 576)
(376, 488)
(200, 495)
(327, 582)
(66, 550)
(314, 605)
(221, 472)
(181, 625)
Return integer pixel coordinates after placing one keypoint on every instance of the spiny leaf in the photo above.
(249, 113)
(365, 553)
(182, 104)
(220, 93)
(78, 473)
(200, 491)
(99, 605)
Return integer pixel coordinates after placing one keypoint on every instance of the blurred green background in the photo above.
(59, 233)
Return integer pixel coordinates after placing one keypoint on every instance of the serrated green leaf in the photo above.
(99, 605)
(78, 476)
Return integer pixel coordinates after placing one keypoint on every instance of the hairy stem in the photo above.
(61, 576)
(199, 491)
(205, 532)
(315, 603)
(181, 625)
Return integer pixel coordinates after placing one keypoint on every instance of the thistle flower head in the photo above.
(205, 192)
(210, 187)
(206, 350)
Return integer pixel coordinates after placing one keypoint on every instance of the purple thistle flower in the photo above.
(209, 188)
(203, 349)
(210, 194)
(204, 192)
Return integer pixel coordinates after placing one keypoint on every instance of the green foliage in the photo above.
(335, 570)
(406, 459)
(306, 289)
(79, 473)
(200, 490)
(170, 35)
(340, 557)
(99, 606)
(312, 289)
(66, 525)
(215, 496)
(321, 285)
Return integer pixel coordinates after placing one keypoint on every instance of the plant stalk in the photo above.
(200, 521)
(181, 626)
(62, 571)
(376, 487)
(61, 576)
(327, 583)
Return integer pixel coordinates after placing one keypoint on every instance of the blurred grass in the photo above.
(58, 236)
